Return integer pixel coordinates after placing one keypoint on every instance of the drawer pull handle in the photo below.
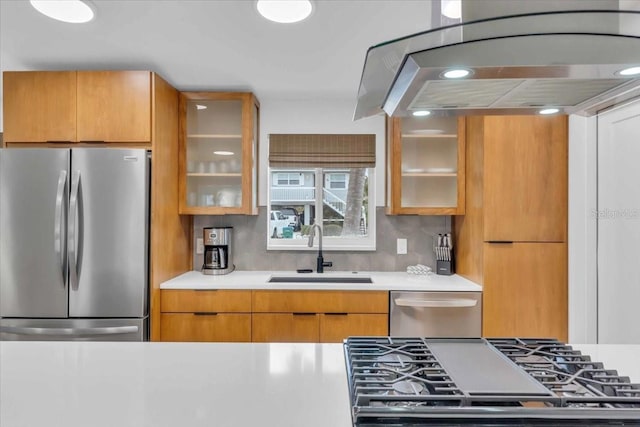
(204, 313)
(444, 303)
(304, 314)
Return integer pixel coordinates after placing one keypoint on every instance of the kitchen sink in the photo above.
(317, 279)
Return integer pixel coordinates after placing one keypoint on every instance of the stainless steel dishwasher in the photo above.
(435, 314)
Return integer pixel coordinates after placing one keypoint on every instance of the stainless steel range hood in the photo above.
(518, 64)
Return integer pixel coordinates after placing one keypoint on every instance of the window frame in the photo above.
(329, 243)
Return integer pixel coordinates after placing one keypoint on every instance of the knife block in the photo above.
(444, 267)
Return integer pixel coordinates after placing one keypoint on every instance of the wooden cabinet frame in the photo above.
(394, 173)
(250, 144)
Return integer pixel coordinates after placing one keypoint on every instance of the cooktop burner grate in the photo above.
(408, 378)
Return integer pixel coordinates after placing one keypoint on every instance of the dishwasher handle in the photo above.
(433, 303)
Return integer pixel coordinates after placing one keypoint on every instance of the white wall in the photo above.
(316, 116)
(618, 216)
(582, 229)
(588, 197)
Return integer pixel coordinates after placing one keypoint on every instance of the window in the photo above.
(337, 180)
(326, 179)
(342, 202)
(288, 179)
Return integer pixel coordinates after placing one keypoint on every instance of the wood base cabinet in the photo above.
(206, 327)
(335, 327)
(285, 327)
(525, 290)
(208, 315)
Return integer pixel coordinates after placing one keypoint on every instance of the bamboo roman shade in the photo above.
(322, 150)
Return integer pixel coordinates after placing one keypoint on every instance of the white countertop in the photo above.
(382, 281)
(79, 384)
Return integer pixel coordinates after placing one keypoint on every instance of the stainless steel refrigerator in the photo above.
(74, 244)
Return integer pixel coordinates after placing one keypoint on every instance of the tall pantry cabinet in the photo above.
(513, 237)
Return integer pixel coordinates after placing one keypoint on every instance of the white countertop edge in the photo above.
(382, 281)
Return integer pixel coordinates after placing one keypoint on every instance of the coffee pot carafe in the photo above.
(217, 250)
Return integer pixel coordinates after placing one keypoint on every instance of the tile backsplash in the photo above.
(250, 244)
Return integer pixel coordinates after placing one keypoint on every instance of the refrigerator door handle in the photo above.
(73, 230)
(57, 232)
(69, 331)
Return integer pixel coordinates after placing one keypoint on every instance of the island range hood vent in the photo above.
(518, 64)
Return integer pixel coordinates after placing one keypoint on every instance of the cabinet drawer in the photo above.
(284, 327)
(321, 301)
(188, 301)
(336, 327)
(205, 327)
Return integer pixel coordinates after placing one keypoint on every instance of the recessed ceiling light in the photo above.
(201, 107)
(456, 73)
(421, 113)
(223, 153)
(72, 11)
(549, 111)
(285, 11)
(629, 71)
(451, 8)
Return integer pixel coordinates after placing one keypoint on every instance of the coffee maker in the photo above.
(217, 250)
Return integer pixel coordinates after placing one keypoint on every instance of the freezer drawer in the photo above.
(74, 329)
(435, 314)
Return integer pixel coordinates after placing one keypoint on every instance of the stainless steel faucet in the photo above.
(320, 264)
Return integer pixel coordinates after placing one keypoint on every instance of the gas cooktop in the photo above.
(422, 381)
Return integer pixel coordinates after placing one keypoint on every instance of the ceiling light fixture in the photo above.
(421, 113)
(451, 8)
(456, 73)
(223, 153)
(547, 111)
(72, 11)
(629, 71)
(201, 107)
(285, 11)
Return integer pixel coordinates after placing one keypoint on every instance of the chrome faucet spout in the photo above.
(321, 263)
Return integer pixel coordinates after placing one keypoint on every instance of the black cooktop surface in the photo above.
(510, 381)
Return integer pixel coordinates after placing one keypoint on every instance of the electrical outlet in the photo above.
(199, 246)
(401, 246)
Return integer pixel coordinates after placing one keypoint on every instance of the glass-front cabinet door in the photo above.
(425, 166)
(218, 153)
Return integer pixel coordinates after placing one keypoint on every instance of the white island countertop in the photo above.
(382, 281)
(78, 384)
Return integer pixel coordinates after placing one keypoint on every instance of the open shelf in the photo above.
(214, 174)
(430, 136)
(427, 174)
(213, 136)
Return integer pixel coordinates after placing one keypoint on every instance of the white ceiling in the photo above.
(214, 44)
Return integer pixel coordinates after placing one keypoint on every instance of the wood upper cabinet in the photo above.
(426, 165)
(525, 178)
(114, 106)
(525, 290)
(218, 163)
(77, 106)
(39, 106)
